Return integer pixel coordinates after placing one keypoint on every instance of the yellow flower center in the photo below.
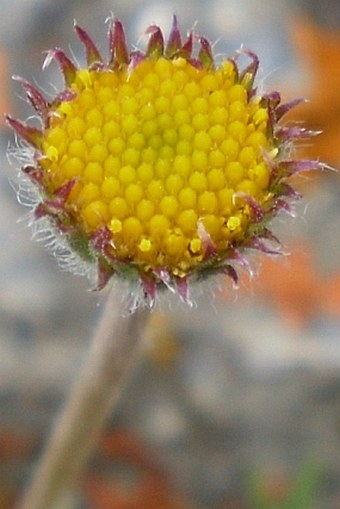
(158, 154)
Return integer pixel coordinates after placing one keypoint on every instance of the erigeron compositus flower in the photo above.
(160, 166)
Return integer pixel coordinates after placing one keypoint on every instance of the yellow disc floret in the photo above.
(155, 151)
(157, 166)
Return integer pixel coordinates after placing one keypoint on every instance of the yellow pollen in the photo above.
(233, 223)
(195, 245)
(157, 151)
(145, 245)
(115, 226)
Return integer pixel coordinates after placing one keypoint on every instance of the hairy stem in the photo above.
(91, 401)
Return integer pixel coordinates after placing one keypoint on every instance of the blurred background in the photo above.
(236, 403)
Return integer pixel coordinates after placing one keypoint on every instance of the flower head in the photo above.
(160, 166)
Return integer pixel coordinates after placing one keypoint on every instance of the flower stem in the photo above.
(91, 401)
